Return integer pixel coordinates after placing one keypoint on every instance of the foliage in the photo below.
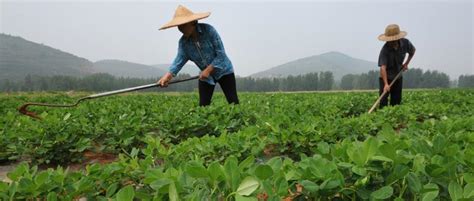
(413, 78)
(270, 147)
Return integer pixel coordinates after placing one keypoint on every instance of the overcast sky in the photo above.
(257, 35)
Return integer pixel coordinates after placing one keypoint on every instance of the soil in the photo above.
(89, 158)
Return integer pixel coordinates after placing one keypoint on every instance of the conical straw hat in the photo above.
(392, 32)
(183, 15)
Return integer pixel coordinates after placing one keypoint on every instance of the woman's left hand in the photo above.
(206, 73)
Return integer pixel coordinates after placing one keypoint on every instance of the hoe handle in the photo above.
(109, 93)
(385, 92)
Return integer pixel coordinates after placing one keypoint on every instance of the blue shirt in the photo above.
(208, 50)
(393, 58)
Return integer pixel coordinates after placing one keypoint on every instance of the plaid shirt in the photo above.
(208, 50)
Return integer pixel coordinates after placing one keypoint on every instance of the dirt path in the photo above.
(4, 169)
(89, 158)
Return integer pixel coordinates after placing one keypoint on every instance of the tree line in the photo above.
(466, 81)
(322, 81)
(94, 82)
(413, 78)
(106, 82)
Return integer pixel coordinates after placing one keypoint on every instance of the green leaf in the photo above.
(134, 152)
(242, 198)
(430, 192)
(247, 186)
(41, 178)
(3, 186)
(363, 193)
(310, 186)
(215, 170)
(413, 182)
(232, 172)
(359, 170)
(267, 186)
(370, 148)
(383, 193)
(323, 147)
(276, 164)
(196, 170)
(18, 172)
(263, 172)
(173, 194)
(246, 163)
(439, 143)
(387, 133)
(469, 177)
(12, 190)
(52, 196)
(26, 185)
(330, 184)
(362, 181)
(381, 158)
(360, 153)
(344, 165)
(66, 117)
(281, 186)
(143, 194)
(398, 172)
(126, 194)
(152, 175)
(455, 190)
(355, 155)
(111, 190)
(469, 191)
(158, 184)
(419, 163)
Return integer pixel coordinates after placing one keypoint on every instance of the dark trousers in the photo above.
(395, 93)
(227, 83)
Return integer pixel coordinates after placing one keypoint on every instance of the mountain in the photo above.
(120, 68)
(336, 62)
(20, 57)
(189, 69)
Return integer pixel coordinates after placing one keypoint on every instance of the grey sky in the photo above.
(256, 35)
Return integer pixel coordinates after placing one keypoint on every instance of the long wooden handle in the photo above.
(136, 88)
(385, 92)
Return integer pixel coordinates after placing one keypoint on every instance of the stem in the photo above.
(404, 187)
(227, 198)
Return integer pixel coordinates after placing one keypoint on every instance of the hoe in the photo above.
(385, 92)
(23, 109)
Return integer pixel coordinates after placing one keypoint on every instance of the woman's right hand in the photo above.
(163, 82)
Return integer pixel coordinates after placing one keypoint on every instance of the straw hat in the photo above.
(392, 32)
(182, 15)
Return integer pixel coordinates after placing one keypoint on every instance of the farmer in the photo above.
(391, 63)
(202, 44)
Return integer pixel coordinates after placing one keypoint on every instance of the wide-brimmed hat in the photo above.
(182, 15)
(392, 32)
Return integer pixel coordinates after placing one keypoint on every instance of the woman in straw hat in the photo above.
(202, 44)
(391, 63)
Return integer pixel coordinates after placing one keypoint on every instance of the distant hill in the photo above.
(190, 69)
(20, 57)
(120, 68)
(336, 62)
